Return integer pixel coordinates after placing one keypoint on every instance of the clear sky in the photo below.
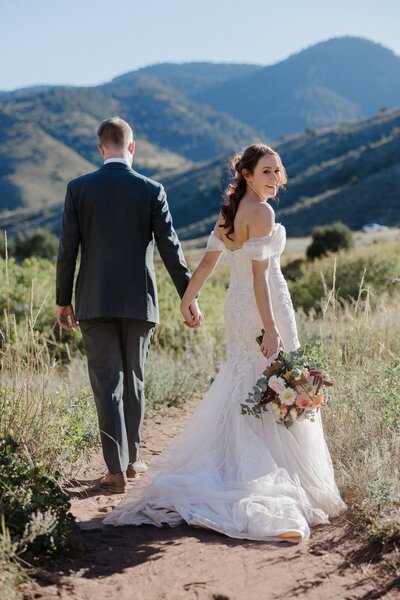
(85, 42)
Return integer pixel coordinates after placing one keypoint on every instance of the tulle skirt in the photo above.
(245, 477)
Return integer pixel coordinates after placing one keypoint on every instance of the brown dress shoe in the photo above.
(136, 468)
(114, 482)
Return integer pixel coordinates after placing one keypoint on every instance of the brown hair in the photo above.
(115, 132)
(236, 188)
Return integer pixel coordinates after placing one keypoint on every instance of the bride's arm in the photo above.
(259, 227)
(271, 341)
(198, 279)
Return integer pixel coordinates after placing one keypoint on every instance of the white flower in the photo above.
(293, 414)
(277, 384)
(288, 396)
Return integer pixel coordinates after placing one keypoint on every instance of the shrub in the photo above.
(171, 379)
(377, 267)
(329, 238)
(293, 269)
(35, 508)
(40, 243)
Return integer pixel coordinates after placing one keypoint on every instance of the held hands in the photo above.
(271, 343)
(66, 317)
(191, 313)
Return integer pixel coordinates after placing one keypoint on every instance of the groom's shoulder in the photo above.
(146, 184)
(152, 186)
(77, 181)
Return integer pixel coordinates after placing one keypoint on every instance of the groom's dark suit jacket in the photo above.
(115, 215)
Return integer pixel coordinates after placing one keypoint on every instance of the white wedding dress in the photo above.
(244, 477)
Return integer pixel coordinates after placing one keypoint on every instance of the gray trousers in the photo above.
(116, 350)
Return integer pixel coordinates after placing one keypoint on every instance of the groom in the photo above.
(115, 216)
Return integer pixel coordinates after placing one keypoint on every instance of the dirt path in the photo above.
(147, 563)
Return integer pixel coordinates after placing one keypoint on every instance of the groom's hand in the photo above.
(66, 317)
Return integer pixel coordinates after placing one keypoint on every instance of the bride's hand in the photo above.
(271, 343)
(191, 314)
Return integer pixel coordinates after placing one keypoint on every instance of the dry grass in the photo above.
(44, 406)
(361, 348)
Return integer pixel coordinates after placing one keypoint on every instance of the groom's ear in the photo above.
(101, 148)
(131, 147)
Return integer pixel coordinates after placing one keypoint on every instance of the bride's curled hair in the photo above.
(237, 186)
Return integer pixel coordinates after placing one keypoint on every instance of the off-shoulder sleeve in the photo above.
(261, 248)
(214, 243)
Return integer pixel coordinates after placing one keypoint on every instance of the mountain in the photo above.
(326, 84)
(181, 121)
(159, 114)
(191, 78)
(72, 115)
(164, 116)
(43, 146)
(33, 89)
(66, 118)
(34, 166)
(349, 173)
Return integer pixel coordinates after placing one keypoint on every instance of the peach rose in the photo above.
(318, 400)
(303, 401)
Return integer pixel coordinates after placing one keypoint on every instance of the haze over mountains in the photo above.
(188, 118)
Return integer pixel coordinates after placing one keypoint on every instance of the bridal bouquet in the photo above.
(291, 386)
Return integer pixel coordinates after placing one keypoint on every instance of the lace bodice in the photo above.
(242, 318)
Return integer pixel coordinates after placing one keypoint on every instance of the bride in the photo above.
(244, 477)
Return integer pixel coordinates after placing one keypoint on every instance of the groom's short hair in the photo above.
(115, 132)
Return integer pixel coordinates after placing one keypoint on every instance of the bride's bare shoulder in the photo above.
(260, 219)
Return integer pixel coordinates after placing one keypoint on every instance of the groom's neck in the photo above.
(110, 152)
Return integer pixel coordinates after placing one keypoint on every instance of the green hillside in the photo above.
(349, 173)
(72, 115)
(160, 115)
(34, 166)
(46, 142)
